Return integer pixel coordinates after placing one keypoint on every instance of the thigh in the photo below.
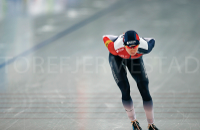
(137, 70)
(118, 68)
(120, 75)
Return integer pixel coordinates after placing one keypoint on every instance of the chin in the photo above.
(132, 54)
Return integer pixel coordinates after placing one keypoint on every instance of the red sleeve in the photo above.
(110, 45)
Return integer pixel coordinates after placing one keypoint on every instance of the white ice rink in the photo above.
(54, 70)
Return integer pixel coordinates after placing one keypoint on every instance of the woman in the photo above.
(127, 50)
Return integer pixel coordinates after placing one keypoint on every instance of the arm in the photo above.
(146, 45)
(109, 44)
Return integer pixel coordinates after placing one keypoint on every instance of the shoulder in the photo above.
(143, 44)
(119, 42)
(146, 45)
(111, 37)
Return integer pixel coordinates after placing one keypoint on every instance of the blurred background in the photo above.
(54, 70)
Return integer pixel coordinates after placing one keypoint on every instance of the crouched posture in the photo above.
(127, 50)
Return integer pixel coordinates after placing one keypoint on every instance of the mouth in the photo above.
(133, 52)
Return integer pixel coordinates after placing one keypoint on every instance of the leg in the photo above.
(120, 76)
(137, 70)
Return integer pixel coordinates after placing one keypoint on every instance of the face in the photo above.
(132, 51)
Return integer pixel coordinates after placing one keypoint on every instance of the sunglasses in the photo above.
(131, 47)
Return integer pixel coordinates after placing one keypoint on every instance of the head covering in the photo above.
(131, 38)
